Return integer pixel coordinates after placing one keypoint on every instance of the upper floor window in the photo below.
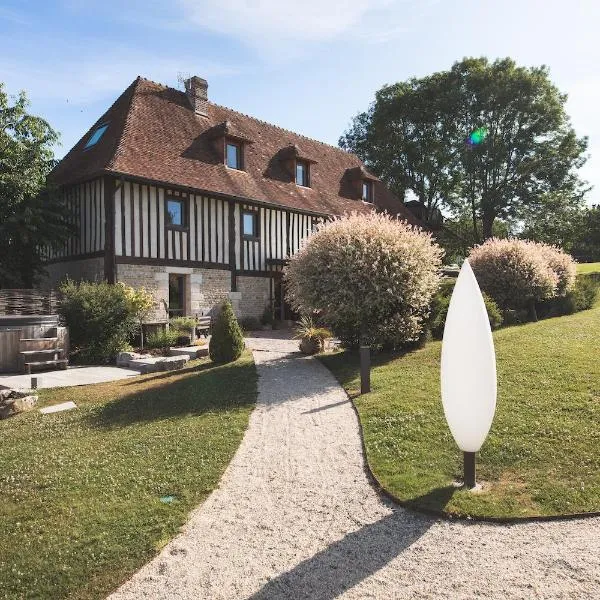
(367, 191)
(176, 212)
(233, 155)
(96, 135)
(250, 224)
(302, 173)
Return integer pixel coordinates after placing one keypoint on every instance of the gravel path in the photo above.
(295, 517)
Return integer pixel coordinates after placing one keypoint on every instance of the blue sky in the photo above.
(306, 66)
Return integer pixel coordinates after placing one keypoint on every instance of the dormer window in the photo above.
(302, 175)
(367, 191)
(96, 135)
(233, 155)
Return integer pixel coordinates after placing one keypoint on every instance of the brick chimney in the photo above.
(196, 89)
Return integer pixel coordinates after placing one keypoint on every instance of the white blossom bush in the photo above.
(366, 274)
(563, 265)
(519, 273)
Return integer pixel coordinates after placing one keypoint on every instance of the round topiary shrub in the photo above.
(515, 273)
(226, 342)
(563, 266)
(369, 275)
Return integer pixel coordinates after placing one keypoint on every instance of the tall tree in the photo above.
(491, 138)
(31, 216)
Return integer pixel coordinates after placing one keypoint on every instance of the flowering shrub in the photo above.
(562, 264)
(514, 273)
(366, 273)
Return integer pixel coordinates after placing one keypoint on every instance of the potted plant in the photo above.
(312, 338)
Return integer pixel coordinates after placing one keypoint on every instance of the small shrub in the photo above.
(267, 316)
(369, 274)
(250, 324)
(439, 312)
(585, 291)
(162, 339)
(515, 316)
(185, 324)
(227, 341)
(312, 337)
(100, 317)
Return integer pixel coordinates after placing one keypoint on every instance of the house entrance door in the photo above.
(176, 295)
(282, 310)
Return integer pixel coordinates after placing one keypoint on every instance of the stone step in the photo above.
(158, 363)
(190, 351)
(41, 351)
(41, 364)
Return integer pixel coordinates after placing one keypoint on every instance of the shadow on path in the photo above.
(347, 562)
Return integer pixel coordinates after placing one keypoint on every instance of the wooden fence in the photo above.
(28, 302)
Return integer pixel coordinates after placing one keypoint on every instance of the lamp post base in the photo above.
(469, 462)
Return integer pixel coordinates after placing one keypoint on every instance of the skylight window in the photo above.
(95, 137)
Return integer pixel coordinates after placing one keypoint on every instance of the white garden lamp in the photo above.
(468, 371)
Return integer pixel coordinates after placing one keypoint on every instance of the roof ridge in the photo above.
(262, 121)
(132, 86)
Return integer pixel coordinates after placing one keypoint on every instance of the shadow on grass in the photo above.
(435, 500)
(347, 562)
(167, 374)
(202, 389)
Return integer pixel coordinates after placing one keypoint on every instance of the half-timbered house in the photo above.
(197, 202)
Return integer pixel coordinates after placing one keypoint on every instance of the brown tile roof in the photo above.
(154, 134)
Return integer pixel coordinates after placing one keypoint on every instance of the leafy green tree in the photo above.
(489, 138)
(31, 216)
(586, 246)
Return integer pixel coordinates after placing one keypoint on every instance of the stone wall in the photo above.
(88, 269)
(254, 296)
(205, 288)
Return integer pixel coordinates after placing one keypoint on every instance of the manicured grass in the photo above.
(588, 267)
(542, 456)
(81, 491)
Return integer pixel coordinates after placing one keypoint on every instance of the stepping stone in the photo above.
(190, 351)
(58, 408)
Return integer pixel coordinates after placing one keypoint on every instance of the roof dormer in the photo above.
(229, 143)
(363, 183)
(298, 164)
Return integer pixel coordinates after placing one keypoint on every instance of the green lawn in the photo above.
(81, 491)
(588, 267)
(542, 456)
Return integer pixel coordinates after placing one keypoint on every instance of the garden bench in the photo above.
(203, 326)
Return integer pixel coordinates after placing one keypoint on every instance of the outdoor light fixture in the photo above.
(468, 370)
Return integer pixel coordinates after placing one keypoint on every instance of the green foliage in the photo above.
(31, 216)
(366, 275)
(227, 341)
(267, 316)
(86, 484)
(250, 324)
(417, 136)
(185, 324)
(163, 339)
(100, 317)
(439, 312)
(582, 296)
(586, 245)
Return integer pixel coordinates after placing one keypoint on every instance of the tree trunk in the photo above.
(532, 311)
(487, 223)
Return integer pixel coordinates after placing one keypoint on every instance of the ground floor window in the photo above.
(176, 295)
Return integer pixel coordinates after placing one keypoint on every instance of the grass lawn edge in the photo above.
(447, 515)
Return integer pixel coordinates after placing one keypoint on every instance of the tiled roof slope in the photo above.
(154, 134)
